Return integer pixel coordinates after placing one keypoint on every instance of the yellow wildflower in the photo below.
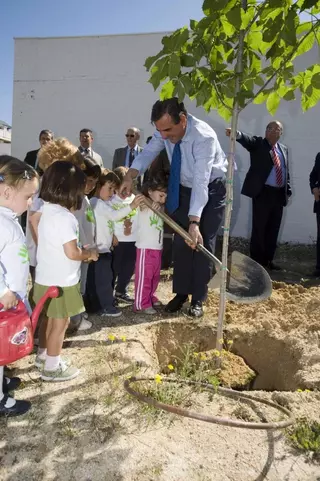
(299, 390)
(216, 353)
(123, 338)
(195, 354)
(158, 378)
(220, 341)
(307, 390)
(111, 337)
(230, 342)
(170, 366)
(203, 357)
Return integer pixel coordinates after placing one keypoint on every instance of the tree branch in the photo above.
(280, 69)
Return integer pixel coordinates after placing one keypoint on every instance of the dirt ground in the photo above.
(90, 429)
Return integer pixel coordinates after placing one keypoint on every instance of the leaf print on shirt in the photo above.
(157, 222)
(90, 215)
(111, 226)
(24, 254)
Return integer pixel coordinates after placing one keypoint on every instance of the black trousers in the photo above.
(99, 290)
(191, 269)
(318, 241)
(267, 209)
(123, 264)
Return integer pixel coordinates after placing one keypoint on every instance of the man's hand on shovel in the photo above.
(195, 234)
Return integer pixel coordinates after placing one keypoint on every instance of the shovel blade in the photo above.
(247, 281)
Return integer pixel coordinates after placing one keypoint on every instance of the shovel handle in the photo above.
(184, 234)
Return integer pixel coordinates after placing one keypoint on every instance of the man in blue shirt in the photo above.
(196, 194)
(268, 184)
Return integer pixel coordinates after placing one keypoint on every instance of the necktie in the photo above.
(131, 157)
(174, 180)
(277, 166)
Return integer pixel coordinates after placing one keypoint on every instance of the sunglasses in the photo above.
(130, 135)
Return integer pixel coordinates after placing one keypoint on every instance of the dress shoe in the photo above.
(195, 310)
(274, 267)
(19, 408)
(176, 303)
(10, 384)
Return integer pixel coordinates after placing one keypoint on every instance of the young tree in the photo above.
(241, 51)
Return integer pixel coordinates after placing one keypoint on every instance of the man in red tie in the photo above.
(268, 184)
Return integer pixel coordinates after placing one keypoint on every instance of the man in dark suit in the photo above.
(124, 156)
(45, 136)
(315, 189)
(268, 184)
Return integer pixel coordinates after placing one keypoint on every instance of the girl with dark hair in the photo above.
(58, 264)
(149, 247)
(18, 183)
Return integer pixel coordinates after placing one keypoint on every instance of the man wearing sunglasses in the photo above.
(267, 183)
(124, 156)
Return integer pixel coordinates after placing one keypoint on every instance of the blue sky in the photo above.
(38, 18)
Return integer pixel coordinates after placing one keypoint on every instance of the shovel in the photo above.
(247, 281)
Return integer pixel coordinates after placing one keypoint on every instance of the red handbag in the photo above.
(17, 329)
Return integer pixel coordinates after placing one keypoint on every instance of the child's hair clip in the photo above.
(26, 175)
(1, 178)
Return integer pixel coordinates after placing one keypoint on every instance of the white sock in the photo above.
(42, 353)
(52, 363)
(10, 401)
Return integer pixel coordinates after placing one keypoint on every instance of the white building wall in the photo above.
(5, 148)
(65, 84)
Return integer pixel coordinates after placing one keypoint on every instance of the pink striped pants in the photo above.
(147, 277)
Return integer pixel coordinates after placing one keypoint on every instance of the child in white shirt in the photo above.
(87, 233)
(18, 183)
(58, 263)
(124, 251)
(149, 248)
(100, 276)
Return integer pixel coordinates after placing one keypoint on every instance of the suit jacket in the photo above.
(95, 156)
(315, 181)
(119, 157)
(31, 159)
(261, 164)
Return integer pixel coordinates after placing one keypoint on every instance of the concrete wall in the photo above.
(5, 148)
(65, 84)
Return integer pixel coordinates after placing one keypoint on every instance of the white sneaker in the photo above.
(149, 311)
(84, 325)
(63, 373)
(85, 315)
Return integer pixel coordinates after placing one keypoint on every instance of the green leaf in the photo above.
(273, 102)
(259, 81)
(289, 31)
(193, 24)
(246, 17)
(315, 81)
(305, 45)
(272, 28)
(167, 90)
(289, 95)
(261, 97)
(224, 112)
(275, 3)
(227, 27)
(159, 71)
(187, 83)
(180, 91)
(234, 17)
(308, 4)
(150, 60)
(179, 38)
(187, 60)
(174, 66)
(211, 6)
(310, 98)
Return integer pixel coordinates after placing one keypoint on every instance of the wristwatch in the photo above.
(196, 222)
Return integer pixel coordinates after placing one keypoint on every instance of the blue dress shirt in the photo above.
(271, 180)
(202, 160)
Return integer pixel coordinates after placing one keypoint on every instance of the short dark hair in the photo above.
(85, 131)
(14, 172)
(171, 107)
(91, 169)
(156, 182)
(63, 183)
(106, 176)
(46, 132)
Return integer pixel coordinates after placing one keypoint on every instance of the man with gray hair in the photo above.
(124, 156)
(267, 183)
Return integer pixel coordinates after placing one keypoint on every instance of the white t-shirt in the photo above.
(149, 230)
(118, 204)
(87, 223)
(105, 217)
(14, 258)
(57, 226)
(36, 206)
